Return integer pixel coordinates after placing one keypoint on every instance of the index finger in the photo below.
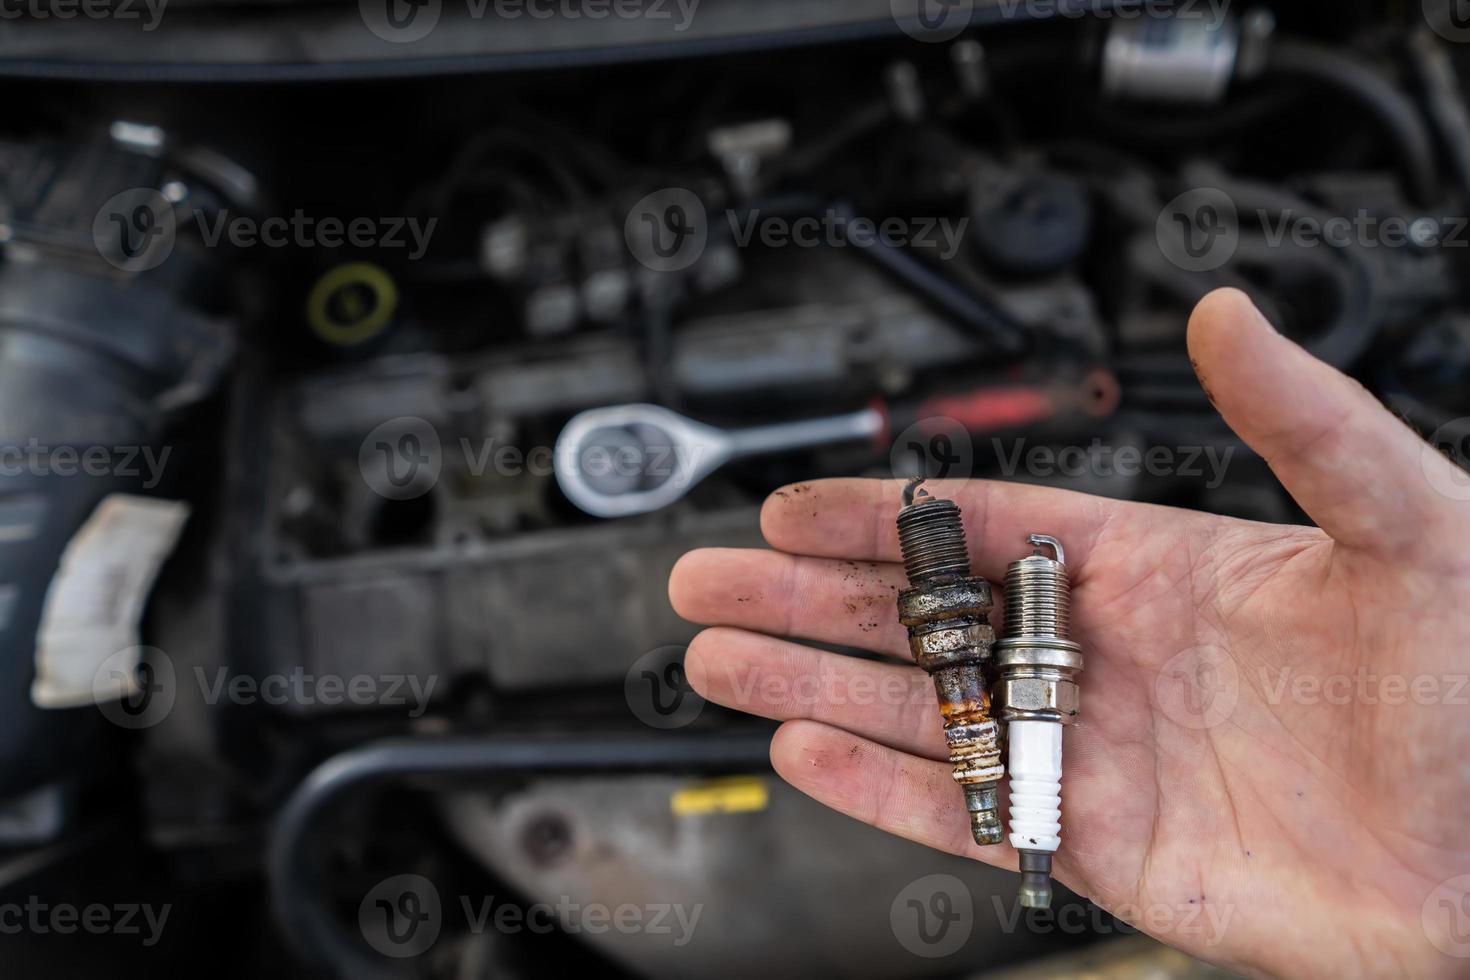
(856, 519)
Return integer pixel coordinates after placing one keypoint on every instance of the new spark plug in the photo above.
(946, 610)
(1037, 694)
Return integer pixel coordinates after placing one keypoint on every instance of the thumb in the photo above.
(1359, 472)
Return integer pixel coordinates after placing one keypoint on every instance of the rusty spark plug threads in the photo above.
(1037, 694)
(946, 610)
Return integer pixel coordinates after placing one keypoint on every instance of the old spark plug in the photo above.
(1037, 694)
(945, 610)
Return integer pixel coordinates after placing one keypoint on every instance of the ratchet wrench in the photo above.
(621, 460)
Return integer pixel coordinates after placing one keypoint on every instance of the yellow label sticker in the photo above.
(736, 794)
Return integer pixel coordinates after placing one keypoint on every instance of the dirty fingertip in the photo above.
(782, 510)
(810, 753)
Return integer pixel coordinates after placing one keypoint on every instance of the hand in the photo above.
(1274, 726)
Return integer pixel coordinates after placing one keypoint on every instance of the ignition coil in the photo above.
(1037, 692)
(946, 611)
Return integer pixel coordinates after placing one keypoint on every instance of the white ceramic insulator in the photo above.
(1035, 770)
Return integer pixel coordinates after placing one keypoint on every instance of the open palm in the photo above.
(1269, 769)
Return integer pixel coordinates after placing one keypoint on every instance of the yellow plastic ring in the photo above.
(378, 283)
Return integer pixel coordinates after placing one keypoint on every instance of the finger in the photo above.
(842, 602)
(857, 519)
(1351, 465)
(888, 703)
(891, 790)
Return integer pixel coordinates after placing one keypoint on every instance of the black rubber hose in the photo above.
(1394, 109)
(84, 360)
(302, 910)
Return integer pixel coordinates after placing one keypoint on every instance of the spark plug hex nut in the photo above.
(1038, 698)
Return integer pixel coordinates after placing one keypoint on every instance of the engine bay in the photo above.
(411, 626)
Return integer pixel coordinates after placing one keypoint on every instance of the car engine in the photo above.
(407, 380)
